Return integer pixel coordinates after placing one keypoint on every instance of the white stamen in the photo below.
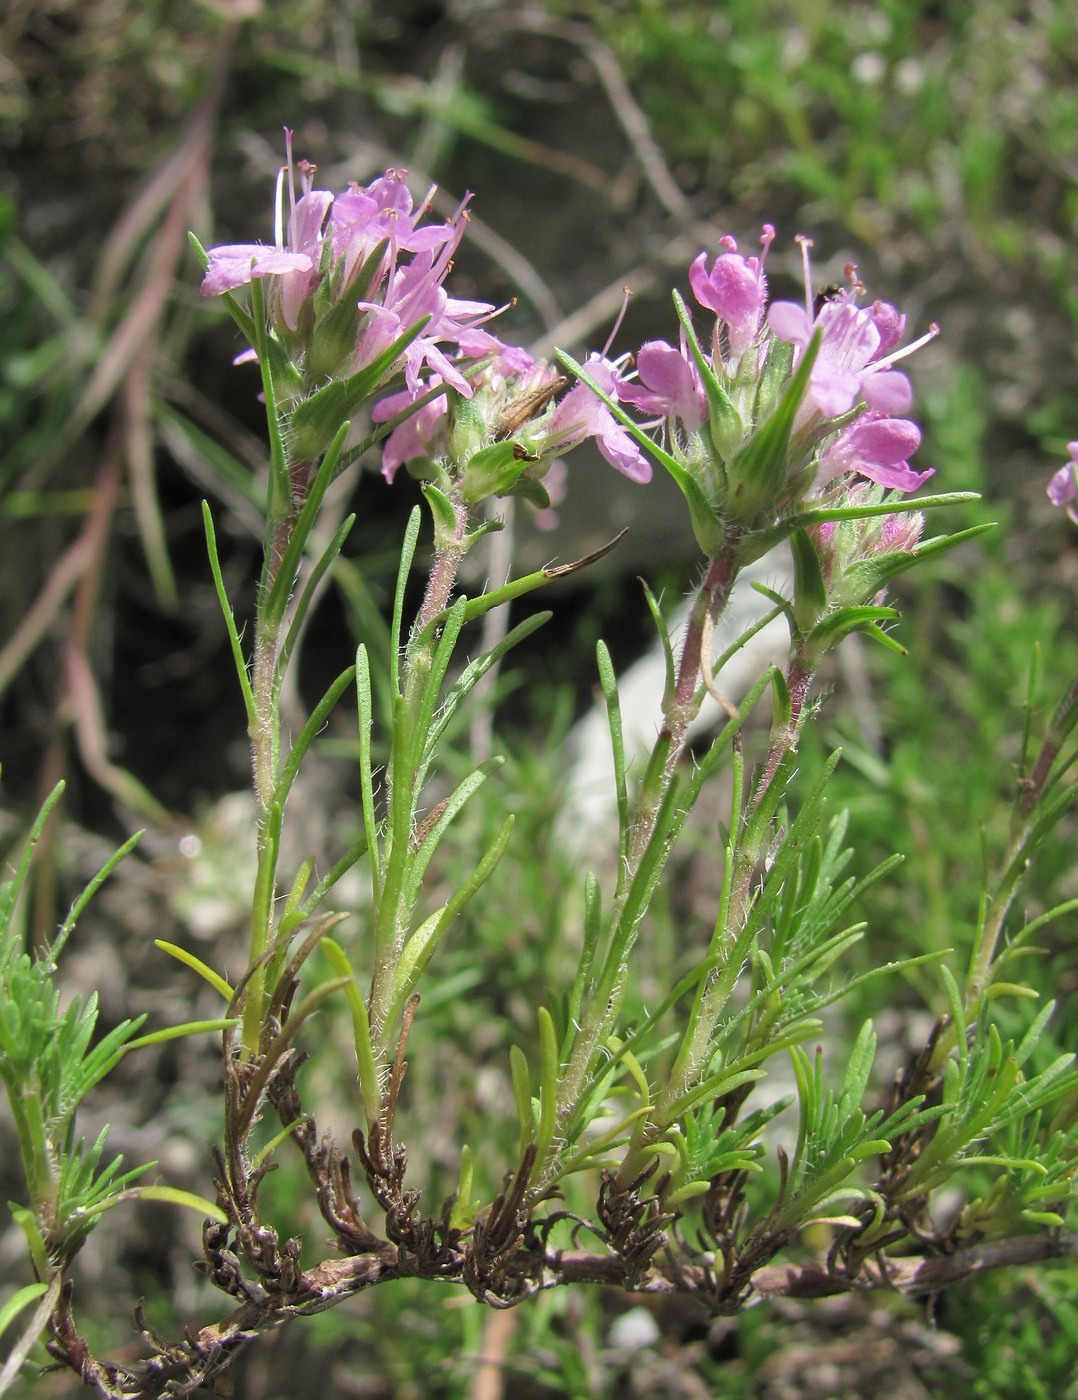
(889, 360)
(806, 244)
(278, 209)
(626, 294)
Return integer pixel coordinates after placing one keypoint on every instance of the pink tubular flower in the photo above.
(293, 261)
(735, 290)
(580, 415)
(1063, 487)
(669, 385)
(875, 447)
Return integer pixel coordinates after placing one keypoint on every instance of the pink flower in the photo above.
(875, 447)
(418, 436)
(735, 290)
(849, 365)
(580, 414)
(1063, 487)
(669, 385)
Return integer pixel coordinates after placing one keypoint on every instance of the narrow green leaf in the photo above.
(549, 1067)
(230, 622)
(203, 969)
(306, 735)
(222, 1023)
(522, 1093)
(411, 536)
(361, 1030)
(170, 1194)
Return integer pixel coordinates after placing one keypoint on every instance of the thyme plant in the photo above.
(779, 422)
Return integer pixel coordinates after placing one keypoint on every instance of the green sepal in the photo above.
(337, 316)
(810, 590)
(757, 473)
(467, 427)
(776, 372)
(445, 517)
(724, 421)
(843, 621)
(781, 705)
(315, 420)
(493, 471)
(530, 489)
(706, 526)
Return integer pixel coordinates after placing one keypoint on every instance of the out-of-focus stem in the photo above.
(1031, 790)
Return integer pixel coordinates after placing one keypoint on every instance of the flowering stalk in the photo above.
(780, 423)
(349, 296)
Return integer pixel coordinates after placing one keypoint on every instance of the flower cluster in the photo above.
(353, 290)
(520, 417)
(777, 402)
(352, 275)
(780, 400)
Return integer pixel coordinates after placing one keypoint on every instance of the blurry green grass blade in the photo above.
(234, 480)
(40, 282)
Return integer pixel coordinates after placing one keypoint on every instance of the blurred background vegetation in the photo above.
(935, 144)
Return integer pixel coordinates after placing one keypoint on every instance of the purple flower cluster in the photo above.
(849, 421)
(364, 247)
(353, 290)
(350, 276)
